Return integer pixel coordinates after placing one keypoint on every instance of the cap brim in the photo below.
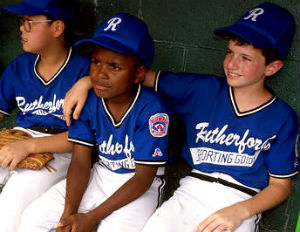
(106, 43)
(24, 9)
(247, 33)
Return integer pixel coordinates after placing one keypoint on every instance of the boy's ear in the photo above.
(58, 27)
(273, 67)
(140, 74)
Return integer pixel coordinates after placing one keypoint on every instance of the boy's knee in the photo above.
(30, 216)
(34, 216)
(4, 175)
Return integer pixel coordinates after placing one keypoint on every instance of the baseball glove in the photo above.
(32, 161)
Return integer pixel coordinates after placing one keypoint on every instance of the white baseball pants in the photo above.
(44, 213)
(192, 202)
(22, 186)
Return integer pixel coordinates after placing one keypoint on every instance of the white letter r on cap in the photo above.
(112, 24)
(254, 13)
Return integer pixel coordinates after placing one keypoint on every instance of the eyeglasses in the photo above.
(27, 23)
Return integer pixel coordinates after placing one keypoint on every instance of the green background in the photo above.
(184, 40)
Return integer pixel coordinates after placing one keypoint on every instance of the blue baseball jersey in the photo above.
(40, 102)
(140, 137)
(249, 146)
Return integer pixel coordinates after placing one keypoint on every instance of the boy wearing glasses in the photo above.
(36, 82)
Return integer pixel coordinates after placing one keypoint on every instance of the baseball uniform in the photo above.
(242, 148)
(140, 137)
(40, 104)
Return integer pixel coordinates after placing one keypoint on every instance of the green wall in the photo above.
(182, 30)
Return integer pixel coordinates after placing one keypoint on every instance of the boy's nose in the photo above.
(102, 72)
(232, 63)
(22, 28)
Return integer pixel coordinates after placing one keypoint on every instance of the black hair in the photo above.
(67, 32)
(140, 62)
(269, 54)
(87, 49)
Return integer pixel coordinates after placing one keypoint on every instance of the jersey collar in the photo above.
(117, 124)
(249, 112)
(46, 83)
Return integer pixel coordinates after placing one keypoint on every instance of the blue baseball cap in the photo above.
(265, 26)
(59, 9)
(125, 34)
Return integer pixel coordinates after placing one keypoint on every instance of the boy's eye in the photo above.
(228, 52)
(115, 67)
(246, 58)
(95, 61)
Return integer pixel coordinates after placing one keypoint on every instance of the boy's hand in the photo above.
(226, 219)
(75, 99)
(75, 223)
(230, 218)
(12, 153)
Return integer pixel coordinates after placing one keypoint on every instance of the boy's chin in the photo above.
(26, 49)
(99, 93)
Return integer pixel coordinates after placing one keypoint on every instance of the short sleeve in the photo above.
(80, 131)
(182, 91)
(7, 94)
(282, 159)
(152, 140)
(151, 133)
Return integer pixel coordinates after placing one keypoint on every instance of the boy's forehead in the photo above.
(238, 42)
(99, 51)
(248, 48)
(34, 16)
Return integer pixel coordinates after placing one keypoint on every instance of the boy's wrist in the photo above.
(93, 218)
(68, 211)
(30, 146)
(243, 210)
(87, 84)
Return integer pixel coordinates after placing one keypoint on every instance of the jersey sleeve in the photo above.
(82, 62)
(174, 87)
(282, 159)
(151, 136)
(182, 90)
(80, 131)
(7, 94)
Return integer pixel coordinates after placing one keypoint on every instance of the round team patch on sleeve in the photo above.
(158, 124)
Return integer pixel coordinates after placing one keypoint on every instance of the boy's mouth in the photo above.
(101, 85)
(23, 40)
(233, 75)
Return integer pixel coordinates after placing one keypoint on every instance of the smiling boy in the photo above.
(241, 139)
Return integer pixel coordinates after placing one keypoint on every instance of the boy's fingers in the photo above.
(67, 114)
(13, 164)
(64, 222)
(77, 110)
(64, 228)
(5, 162)
(2, 156)
(68, 119)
